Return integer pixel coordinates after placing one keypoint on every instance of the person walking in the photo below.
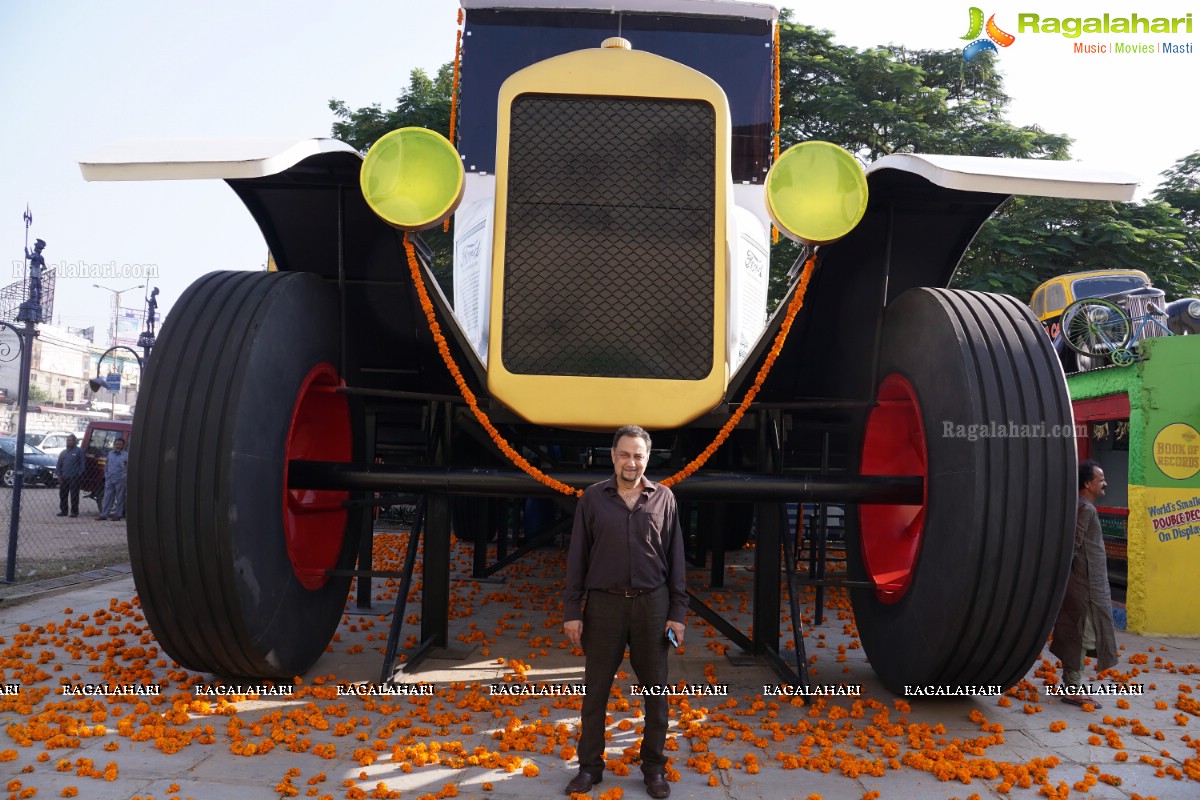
(71, 464)
(625, 587)
(1085, 626)
(116, 470)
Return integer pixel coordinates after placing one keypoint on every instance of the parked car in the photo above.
(54, 442)
(1138, 310)
(96, 442)
(40, 469)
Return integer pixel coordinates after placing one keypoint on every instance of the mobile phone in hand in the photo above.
(672, 638)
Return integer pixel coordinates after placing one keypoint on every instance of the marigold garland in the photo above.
(529, 469)
(454, 92)
(775, 120)
(444, 350)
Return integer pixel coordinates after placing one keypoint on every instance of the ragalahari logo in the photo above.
(995, 36)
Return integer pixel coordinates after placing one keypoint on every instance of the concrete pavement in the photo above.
(463, 740)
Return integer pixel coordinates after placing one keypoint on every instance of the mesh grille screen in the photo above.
(609, 248)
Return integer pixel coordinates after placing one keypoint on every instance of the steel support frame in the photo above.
(769, 489)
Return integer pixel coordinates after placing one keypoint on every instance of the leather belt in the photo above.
(629, 592)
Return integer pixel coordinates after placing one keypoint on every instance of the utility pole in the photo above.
(116, 314)
(29, 313)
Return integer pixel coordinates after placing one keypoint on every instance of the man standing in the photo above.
(70, 474)
(1084, 625)
(625, 586)
(116, 470)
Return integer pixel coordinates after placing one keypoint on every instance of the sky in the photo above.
(75, 76)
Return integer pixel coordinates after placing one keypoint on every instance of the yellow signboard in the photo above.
(1177, 451)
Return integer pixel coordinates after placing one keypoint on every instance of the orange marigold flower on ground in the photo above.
(69, 791)
(8, 755)
(1060, 725)
(712, 781)
(487, 786)
(530, 771)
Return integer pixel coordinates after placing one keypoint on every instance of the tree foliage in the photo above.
(424, 104)
(888, 100)
(38, 395)
(1180, 190)
(1034, 239)
(894, 100)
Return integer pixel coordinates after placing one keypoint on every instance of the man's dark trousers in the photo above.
(610, 622)
(69, 486)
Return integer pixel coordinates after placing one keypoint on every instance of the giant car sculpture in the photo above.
(614, 181)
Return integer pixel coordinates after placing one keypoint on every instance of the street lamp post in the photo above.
(30, 313)
(112, 337)
(97, 383)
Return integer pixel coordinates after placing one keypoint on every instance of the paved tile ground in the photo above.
(464, 742)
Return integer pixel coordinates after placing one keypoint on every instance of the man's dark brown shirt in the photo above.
(613, 547)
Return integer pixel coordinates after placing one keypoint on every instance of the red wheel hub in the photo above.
(894, 444)
(315, 521)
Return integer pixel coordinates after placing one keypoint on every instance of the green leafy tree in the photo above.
(888, 100)
(37, 395)
(1181, 189)
(1034, 239)
(893, 100)
(424, 104)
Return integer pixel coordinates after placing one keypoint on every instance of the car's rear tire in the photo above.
(229, 565)
(967, 586)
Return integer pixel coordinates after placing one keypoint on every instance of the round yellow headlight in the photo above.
(816, 193)
(412, 178)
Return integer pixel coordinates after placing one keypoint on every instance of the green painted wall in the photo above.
(1164, 509)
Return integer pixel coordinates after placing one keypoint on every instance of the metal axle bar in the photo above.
(704, 487)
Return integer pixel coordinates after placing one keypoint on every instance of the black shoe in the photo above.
(657, 786)
(102, 518)
(76, 514)
(61, 514)
(583, 783)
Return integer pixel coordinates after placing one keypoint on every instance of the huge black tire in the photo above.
(972, 397)
(229, 565)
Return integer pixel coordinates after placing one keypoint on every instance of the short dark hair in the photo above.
(120, 439)
(1087, 471)
(631, 430)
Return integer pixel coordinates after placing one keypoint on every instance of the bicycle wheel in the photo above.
(1095, 327)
